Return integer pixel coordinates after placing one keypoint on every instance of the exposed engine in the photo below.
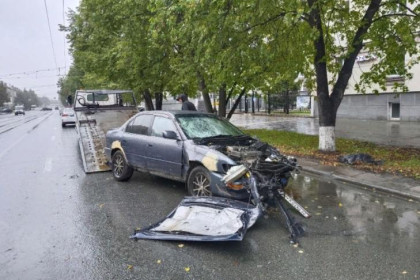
(266, 173)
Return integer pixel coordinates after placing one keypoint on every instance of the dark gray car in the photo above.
(191, 147)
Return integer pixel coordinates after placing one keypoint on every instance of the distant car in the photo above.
(6, 110)
(67, 117)
(19, 110)
(191, 147)
(46, 109)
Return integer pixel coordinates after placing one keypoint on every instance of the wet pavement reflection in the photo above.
(340, 209)
(392, 133)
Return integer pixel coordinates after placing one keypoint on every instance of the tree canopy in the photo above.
(230, 47)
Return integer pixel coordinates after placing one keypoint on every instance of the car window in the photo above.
(160, 124)
(140, 124)
(199, 126)
(68, 111)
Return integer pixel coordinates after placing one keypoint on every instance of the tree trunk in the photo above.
(328, 105)
(148, 100)
(222, 101)
(158, 100)
(235, 105)
(286, 102)
(205, 92)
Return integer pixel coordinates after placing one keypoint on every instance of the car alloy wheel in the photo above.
(198, 183)
(120, 169)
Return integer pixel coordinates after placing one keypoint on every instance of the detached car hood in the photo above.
(204, 219)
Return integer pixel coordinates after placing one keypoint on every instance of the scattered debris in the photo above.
(226, 219)
(358, 159)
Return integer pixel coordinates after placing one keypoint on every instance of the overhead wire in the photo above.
(51, 39)
(30, 72)
(64, 40)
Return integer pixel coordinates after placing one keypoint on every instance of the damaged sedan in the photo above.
(214, 159)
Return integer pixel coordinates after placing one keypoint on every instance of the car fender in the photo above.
(210, 158)
(116, 145)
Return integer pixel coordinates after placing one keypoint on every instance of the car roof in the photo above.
(176, 113)
(104, 91)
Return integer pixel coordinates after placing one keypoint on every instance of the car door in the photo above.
(135, 140)
(164, 156)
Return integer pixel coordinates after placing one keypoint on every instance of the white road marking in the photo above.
(48, 165)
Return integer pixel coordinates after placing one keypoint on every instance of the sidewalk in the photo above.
(405, 134)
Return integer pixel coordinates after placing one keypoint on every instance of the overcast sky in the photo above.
(29, 57)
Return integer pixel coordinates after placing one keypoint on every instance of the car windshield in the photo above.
(203, 126)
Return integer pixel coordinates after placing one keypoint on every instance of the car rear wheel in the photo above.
(120, 169)
(198, 183)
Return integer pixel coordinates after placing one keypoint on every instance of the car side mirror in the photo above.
(169, 134)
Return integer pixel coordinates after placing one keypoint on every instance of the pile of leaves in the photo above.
(395, 160)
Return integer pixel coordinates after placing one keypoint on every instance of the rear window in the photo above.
(140, 125)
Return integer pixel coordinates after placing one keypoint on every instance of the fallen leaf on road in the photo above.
(180, 245)
(101, 205)
(340, 204)
(187, 269)
(158, 261)
(129, 266)
(404, 272)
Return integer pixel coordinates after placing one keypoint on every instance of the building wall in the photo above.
(378, 107)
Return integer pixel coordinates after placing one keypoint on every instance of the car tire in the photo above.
(120, 168)
(198, 183)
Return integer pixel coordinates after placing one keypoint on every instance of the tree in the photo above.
(4, 97)
(70, 83)
(230, 47)
(27, 98)
(340, 32)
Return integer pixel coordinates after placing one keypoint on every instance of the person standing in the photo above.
(186, 104)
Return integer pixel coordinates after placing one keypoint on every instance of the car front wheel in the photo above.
(120, 169)
(198, 183)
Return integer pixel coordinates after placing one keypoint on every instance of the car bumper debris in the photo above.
(224, 219)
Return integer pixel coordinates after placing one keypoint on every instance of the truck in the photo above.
(19, 110)
(96, 112)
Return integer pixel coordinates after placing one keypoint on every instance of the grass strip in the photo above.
(396, 160)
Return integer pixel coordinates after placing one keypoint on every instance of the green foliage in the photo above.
(4, 97)
(27, 98)
(175, 46)
(70, 83)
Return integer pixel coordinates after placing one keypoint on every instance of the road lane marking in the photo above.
(48, 165)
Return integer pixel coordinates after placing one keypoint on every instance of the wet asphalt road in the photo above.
(58, 223)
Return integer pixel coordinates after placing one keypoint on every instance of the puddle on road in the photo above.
(343, 209)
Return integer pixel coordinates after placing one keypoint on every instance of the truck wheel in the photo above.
(120, 169)
(198, 183)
